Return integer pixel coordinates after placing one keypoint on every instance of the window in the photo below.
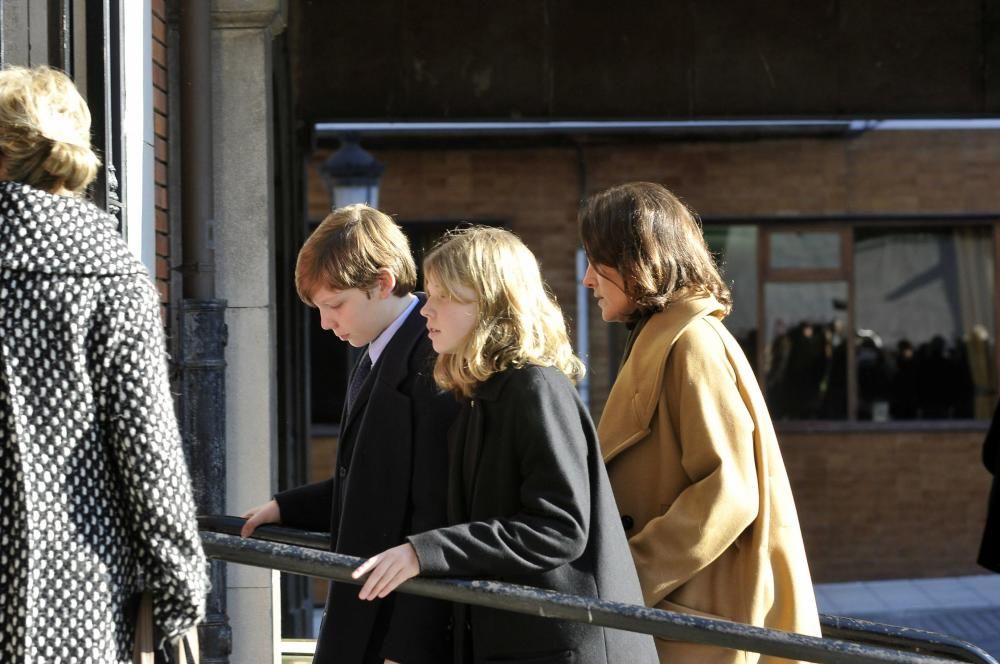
(924, 309)
(805, 293)
(805, 366)
(735, 248)
(919, 298)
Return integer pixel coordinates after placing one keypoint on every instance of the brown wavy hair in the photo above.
(655, 241)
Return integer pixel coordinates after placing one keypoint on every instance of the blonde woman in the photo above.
(685, 433)
(528, 494)
(97, 503)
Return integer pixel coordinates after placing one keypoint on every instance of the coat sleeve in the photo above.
(551, 527)
(715, 432)
(418, 629)
(308, 507)
(991, 445)
(145, 442)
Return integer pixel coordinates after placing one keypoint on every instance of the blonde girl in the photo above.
(529, 499)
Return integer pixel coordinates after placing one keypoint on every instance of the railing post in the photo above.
(202, 365)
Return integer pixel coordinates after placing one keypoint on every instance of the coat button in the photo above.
(627, 522)
(343, 471)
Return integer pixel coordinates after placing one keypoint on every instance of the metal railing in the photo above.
(845, 640)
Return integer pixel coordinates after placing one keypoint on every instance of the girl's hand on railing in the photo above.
(269, 512)
(387, 570)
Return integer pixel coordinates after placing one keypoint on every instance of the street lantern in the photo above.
(352, 174)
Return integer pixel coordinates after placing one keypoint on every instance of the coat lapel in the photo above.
(475, 434)
(363, 393)
(458, 510)
(629, 409)
(473, 452)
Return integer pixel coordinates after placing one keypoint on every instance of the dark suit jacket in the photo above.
(536, 509)
(394, 484)
(989, 552)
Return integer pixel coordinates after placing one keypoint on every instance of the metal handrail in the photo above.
(299, 552)
(911, 638)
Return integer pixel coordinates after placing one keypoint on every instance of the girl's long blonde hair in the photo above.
(518, 320)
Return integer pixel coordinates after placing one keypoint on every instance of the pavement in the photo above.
(966, 607)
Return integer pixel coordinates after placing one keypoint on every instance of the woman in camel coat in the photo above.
(686, 436)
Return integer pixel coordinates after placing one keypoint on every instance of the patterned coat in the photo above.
(96, 500)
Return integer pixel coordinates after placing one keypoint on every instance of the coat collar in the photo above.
(492, 387)
(53, 234)
(636, 391)
(393, 366)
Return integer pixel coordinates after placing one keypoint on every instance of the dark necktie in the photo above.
(358, 379)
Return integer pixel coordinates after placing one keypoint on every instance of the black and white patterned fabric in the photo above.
(95, 498)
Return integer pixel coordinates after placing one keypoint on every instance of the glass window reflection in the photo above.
(735, 250)
(805, 250)
(806, 353)
(924, 307)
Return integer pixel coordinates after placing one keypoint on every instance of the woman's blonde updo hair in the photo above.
(518, 321)
(45, 130)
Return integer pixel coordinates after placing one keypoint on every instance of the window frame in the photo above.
(846, 226)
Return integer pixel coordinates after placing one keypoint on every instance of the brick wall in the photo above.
(888, 505)
(872, 505)
(159, 25)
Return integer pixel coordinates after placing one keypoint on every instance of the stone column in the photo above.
(242, 34)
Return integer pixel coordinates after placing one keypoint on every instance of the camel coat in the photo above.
(700, 484)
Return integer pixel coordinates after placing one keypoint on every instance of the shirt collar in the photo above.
(379, 343)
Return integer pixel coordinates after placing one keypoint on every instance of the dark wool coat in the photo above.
(532, 505)
(96, 498)
(390, 480)
(989, 552)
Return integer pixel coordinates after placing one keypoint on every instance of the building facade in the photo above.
(890, 233)
(863, 264)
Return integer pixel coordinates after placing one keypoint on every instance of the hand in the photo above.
(389, 661)
(387, 570)
(269, 512)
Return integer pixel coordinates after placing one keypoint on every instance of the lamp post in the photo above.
(352, 174)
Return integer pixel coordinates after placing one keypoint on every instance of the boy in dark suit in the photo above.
(391, 474)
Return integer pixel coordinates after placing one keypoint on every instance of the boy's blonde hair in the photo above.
(347, 250)
(518, 321)
(45, 130)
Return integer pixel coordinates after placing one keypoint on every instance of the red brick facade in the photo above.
(888, 505)
(872, 505)
(159, 23)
